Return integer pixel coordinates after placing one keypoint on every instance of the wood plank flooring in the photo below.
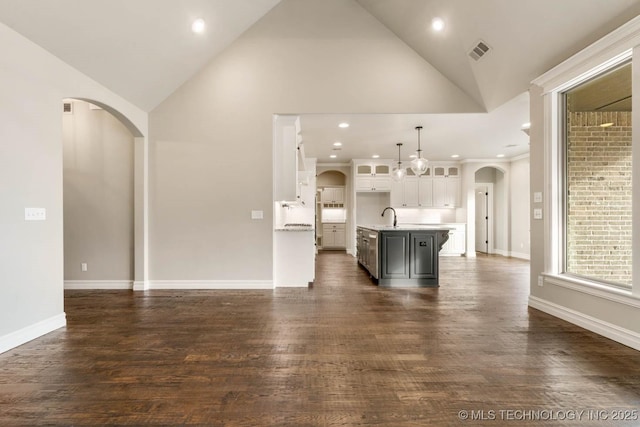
(341, 353)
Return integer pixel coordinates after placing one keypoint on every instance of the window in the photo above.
(597, 211)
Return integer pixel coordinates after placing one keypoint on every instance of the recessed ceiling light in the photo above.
(606, 125)
(526, 125)
(337, 144)
(455, 156)
(500, 155)
(375, 156)
(413, 156)
(198, 26)
(437, 24)
(333, 156)
(343, 125)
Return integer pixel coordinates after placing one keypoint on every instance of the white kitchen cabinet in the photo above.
(412, 192)
(373, 183)
(372, 175)
(286, 134)
(382, 168)
(457, 243)
(446, 170)
(446, 193)
(333, 236)
(446, 185)
(333, 196)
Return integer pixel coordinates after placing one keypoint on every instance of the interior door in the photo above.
(482, 219)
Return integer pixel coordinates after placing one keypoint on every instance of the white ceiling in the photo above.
(471, 136)
(144, 50)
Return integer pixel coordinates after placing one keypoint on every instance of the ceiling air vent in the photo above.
(479, 50)
(67, 108)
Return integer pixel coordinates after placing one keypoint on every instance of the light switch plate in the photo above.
(35, 214)
(537, 197)
(537, 213)
(257, 214)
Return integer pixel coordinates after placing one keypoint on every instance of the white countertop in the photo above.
(296, 228)
(402, 227)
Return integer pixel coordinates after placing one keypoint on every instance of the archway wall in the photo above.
(345, 170)
(98, 182)
(33, 84)
(511, 192)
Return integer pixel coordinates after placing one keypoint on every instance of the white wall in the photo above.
(98, 195)
(519, 212)
(613, 313)
(33, 84)
(210, 153)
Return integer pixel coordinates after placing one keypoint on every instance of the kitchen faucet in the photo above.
(395, 215)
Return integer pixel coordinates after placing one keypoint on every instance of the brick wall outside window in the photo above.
(599, 196)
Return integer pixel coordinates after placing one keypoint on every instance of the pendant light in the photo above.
(419, 164)
(398, 172)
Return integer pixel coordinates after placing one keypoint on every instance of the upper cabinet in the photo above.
(438, 187)
(372, 175)
(373, 169)
(446, 185)
(412, 192)
(446, 171)
(333, 197)
(287, 165)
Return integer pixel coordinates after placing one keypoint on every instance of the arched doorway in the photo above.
(104, 193)
(332, 210)
(491, 211)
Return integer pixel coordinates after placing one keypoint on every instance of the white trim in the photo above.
(614, 44)
(500, 252)
(140, 285)
(488, 161)
(97, 284)
(520, 255)
(520, 157)
(29, 333)
(600, 327)
(620, 296)
(211, 284)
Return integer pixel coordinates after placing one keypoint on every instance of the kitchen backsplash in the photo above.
(293, 214)
(429, 216)
(334, 215)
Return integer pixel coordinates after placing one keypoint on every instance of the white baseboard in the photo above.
(521, 255)
(211, 284)
(609, 330)
(98, 284)
(24, 335)
(500, 252)
(140, 285)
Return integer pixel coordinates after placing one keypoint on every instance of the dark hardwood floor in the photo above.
(343, 352)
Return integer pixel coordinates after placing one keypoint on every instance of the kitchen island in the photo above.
(401, 256)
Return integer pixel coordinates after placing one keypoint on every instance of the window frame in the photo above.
(563, 157)
(610, 51)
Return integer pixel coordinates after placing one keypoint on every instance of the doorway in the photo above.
(484, 218)
(491, 217)
(98, 198)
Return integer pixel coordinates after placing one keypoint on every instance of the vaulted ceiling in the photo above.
(144, 50)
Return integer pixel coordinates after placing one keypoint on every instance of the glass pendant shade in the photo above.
(419, 164)
(398, 173)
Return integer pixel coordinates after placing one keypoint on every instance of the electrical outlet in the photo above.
(540, 281)
(83, 266)
(35, 214)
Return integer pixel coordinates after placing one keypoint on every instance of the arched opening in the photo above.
(491, 211)
(103, 208)
(332, 210)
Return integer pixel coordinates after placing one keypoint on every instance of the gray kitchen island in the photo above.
(401, 256)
